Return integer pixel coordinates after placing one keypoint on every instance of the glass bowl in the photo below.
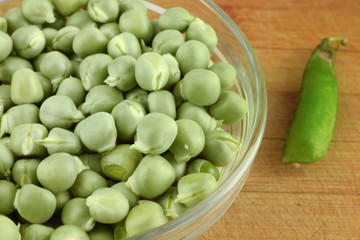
(234, 48)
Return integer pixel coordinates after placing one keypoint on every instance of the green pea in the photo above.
(6, 45)
(107, 205)
(202, 165)
(63, 40)
(101, 98)
(46, 85)
(67, 7)
(121, 162)
(7, 197)
(24, 171)
(167, 41)
(76, 66)
(152, 177)
(29, 41)
(35, 204)
(201, 87)
(194, 188)
(230, 108)
(93, 162)
(23, 139)
(136, 22)
(93, 70)
(15, 19)
(175, 18)
(203, 32)
(124, 43)
(199, 114)
(220, 147)
(59, 111)
(86, 183)
(8, 229)
(5, 141)
(226, 73)
(177, 92)
(179, 167)
(81, 20)
(151, 71)
(37, 61)
(61, 199)
(58, 172)
(37, 232)
(103, 11)
(75, 212)
(22, 226)
(162, 101)
(127, 115)
(5, 99)
(189, 141)
(49, 34)
(144, 217)
(122, 73)
(155, 133)
(155, 25)
(126, 5)
(174, 71)
(191, 55)
(61, 140)
(17, 115)
(6, 160)
(56, 66)
(3, 25)
(101, 232)
(83, 47)
(73, 88)
(26, 87)
(97, 132)
(139, 95)
(10, 65)
(38, 11)
(125, 190)
(120, 231)
(171, 208)
(59, 21)
(69, 232)
(110, 30)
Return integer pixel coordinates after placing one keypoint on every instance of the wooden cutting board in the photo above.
(317, 201)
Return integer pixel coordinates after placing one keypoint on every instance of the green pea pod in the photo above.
(312, 129)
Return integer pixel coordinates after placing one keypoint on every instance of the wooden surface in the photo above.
(318, 201)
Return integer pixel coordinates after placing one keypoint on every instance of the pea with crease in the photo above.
(29, 41)
(127, 115)
(122, 73)
(59, 111)
(101, 125)
(103, 11)
(101, 98)
(124, 43)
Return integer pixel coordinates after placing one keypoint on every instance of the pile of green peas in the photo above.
(110, 121)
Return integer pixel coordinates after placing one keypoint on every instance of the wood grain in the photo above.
(317, 201)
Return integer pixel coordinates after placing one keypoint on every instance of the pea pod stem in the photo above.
(326, 45)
